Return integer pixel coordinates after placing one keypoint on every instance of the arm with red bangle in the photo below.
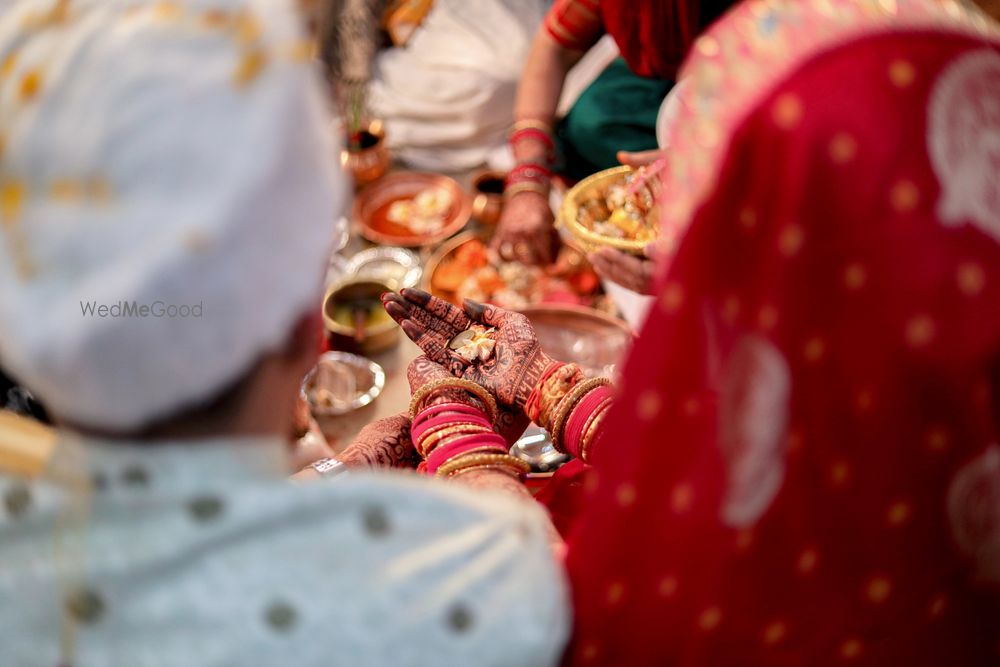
(520, 375)
(452, 428)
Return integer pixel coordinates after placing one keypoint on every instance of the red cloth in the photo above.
(652, 35)
(801, 468)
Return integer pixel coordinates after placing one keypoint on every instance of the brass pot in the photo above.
(372, 160)
(342, 338)
(487, 196)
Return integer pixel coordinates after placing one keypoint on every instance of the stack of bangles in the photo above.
(454, 437)
(571, 408)
(531, 175)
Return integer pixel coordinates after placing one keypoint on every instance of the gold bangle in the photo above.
(454, 383)
(531, 124)
(466, 460)
(566, 405)
(525, 186)
(591, 432)
(431, 442)
(510, 472)
(427, 392)
(449, 425)
(555, 388)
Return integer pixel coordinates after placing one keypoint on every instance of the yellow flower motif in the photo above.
(31, 84)
(7, 65)
(251, 65)
(11, 201)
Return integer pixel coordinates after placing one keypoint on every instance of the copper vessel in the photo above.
(369, 162)
(487, 196)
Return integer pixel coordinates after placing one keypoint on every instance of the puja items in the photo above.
(396, 267)
(355, 319)
(411, 209)
(341, 383)
(365, 155)
(474, 344)
(487, 200)
(469, 270)
(616, 208)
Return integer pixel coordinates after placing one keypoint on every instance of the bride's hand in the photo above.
(517, 361)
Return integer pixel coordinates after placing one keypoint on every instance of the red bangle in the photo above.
(461, 408)
(464, 445)
(528, 172)
(581, 417)
(534, 134)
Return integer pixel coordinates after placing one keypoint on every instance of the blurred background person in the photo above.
(168, 192)
(617, 112)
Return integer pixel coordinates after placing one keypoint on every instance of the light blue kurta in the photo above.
(204, 555)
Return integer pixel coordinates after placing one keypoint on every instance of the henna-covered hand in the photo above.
(385, 443)
(510, 424)
(429, 322)
(517, 363)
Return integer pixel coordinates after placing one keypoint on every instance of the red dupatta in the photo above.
(802, 468)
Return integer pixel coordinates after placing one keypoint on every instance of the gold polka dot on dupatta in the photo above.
(902, 73)
(904, 196)
(748, 217)
(589, 652)
(850, 649)
(682, 498)
(840, 473)
(787, 111)
(790, 240)
(767, 318)
(648, 406)
(898, 513)
(971, 278)
(807, 561)
(710, 619)
(672, 298)
(937, 606)
(814, 350)
(855, 276)
(615, 593)
(625, 495)
(730, 311)
(774, 633)
(920, 331)
(877, 589)
(864, 400)
(937, 439)
(843, 148)
(667, 586)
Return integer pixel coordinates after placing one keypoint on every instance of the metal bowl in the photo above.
(396, 267)
(374, 200)
(585, 238)
(353, 381)
(535, 448)
(592, 339)
(377, 338)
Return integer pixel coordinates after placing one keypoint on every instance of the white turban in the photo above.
(171, 156)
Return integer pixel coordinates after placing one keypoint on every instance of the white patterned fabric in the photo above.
(201, 554)
(162, 155)
(964, 141)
